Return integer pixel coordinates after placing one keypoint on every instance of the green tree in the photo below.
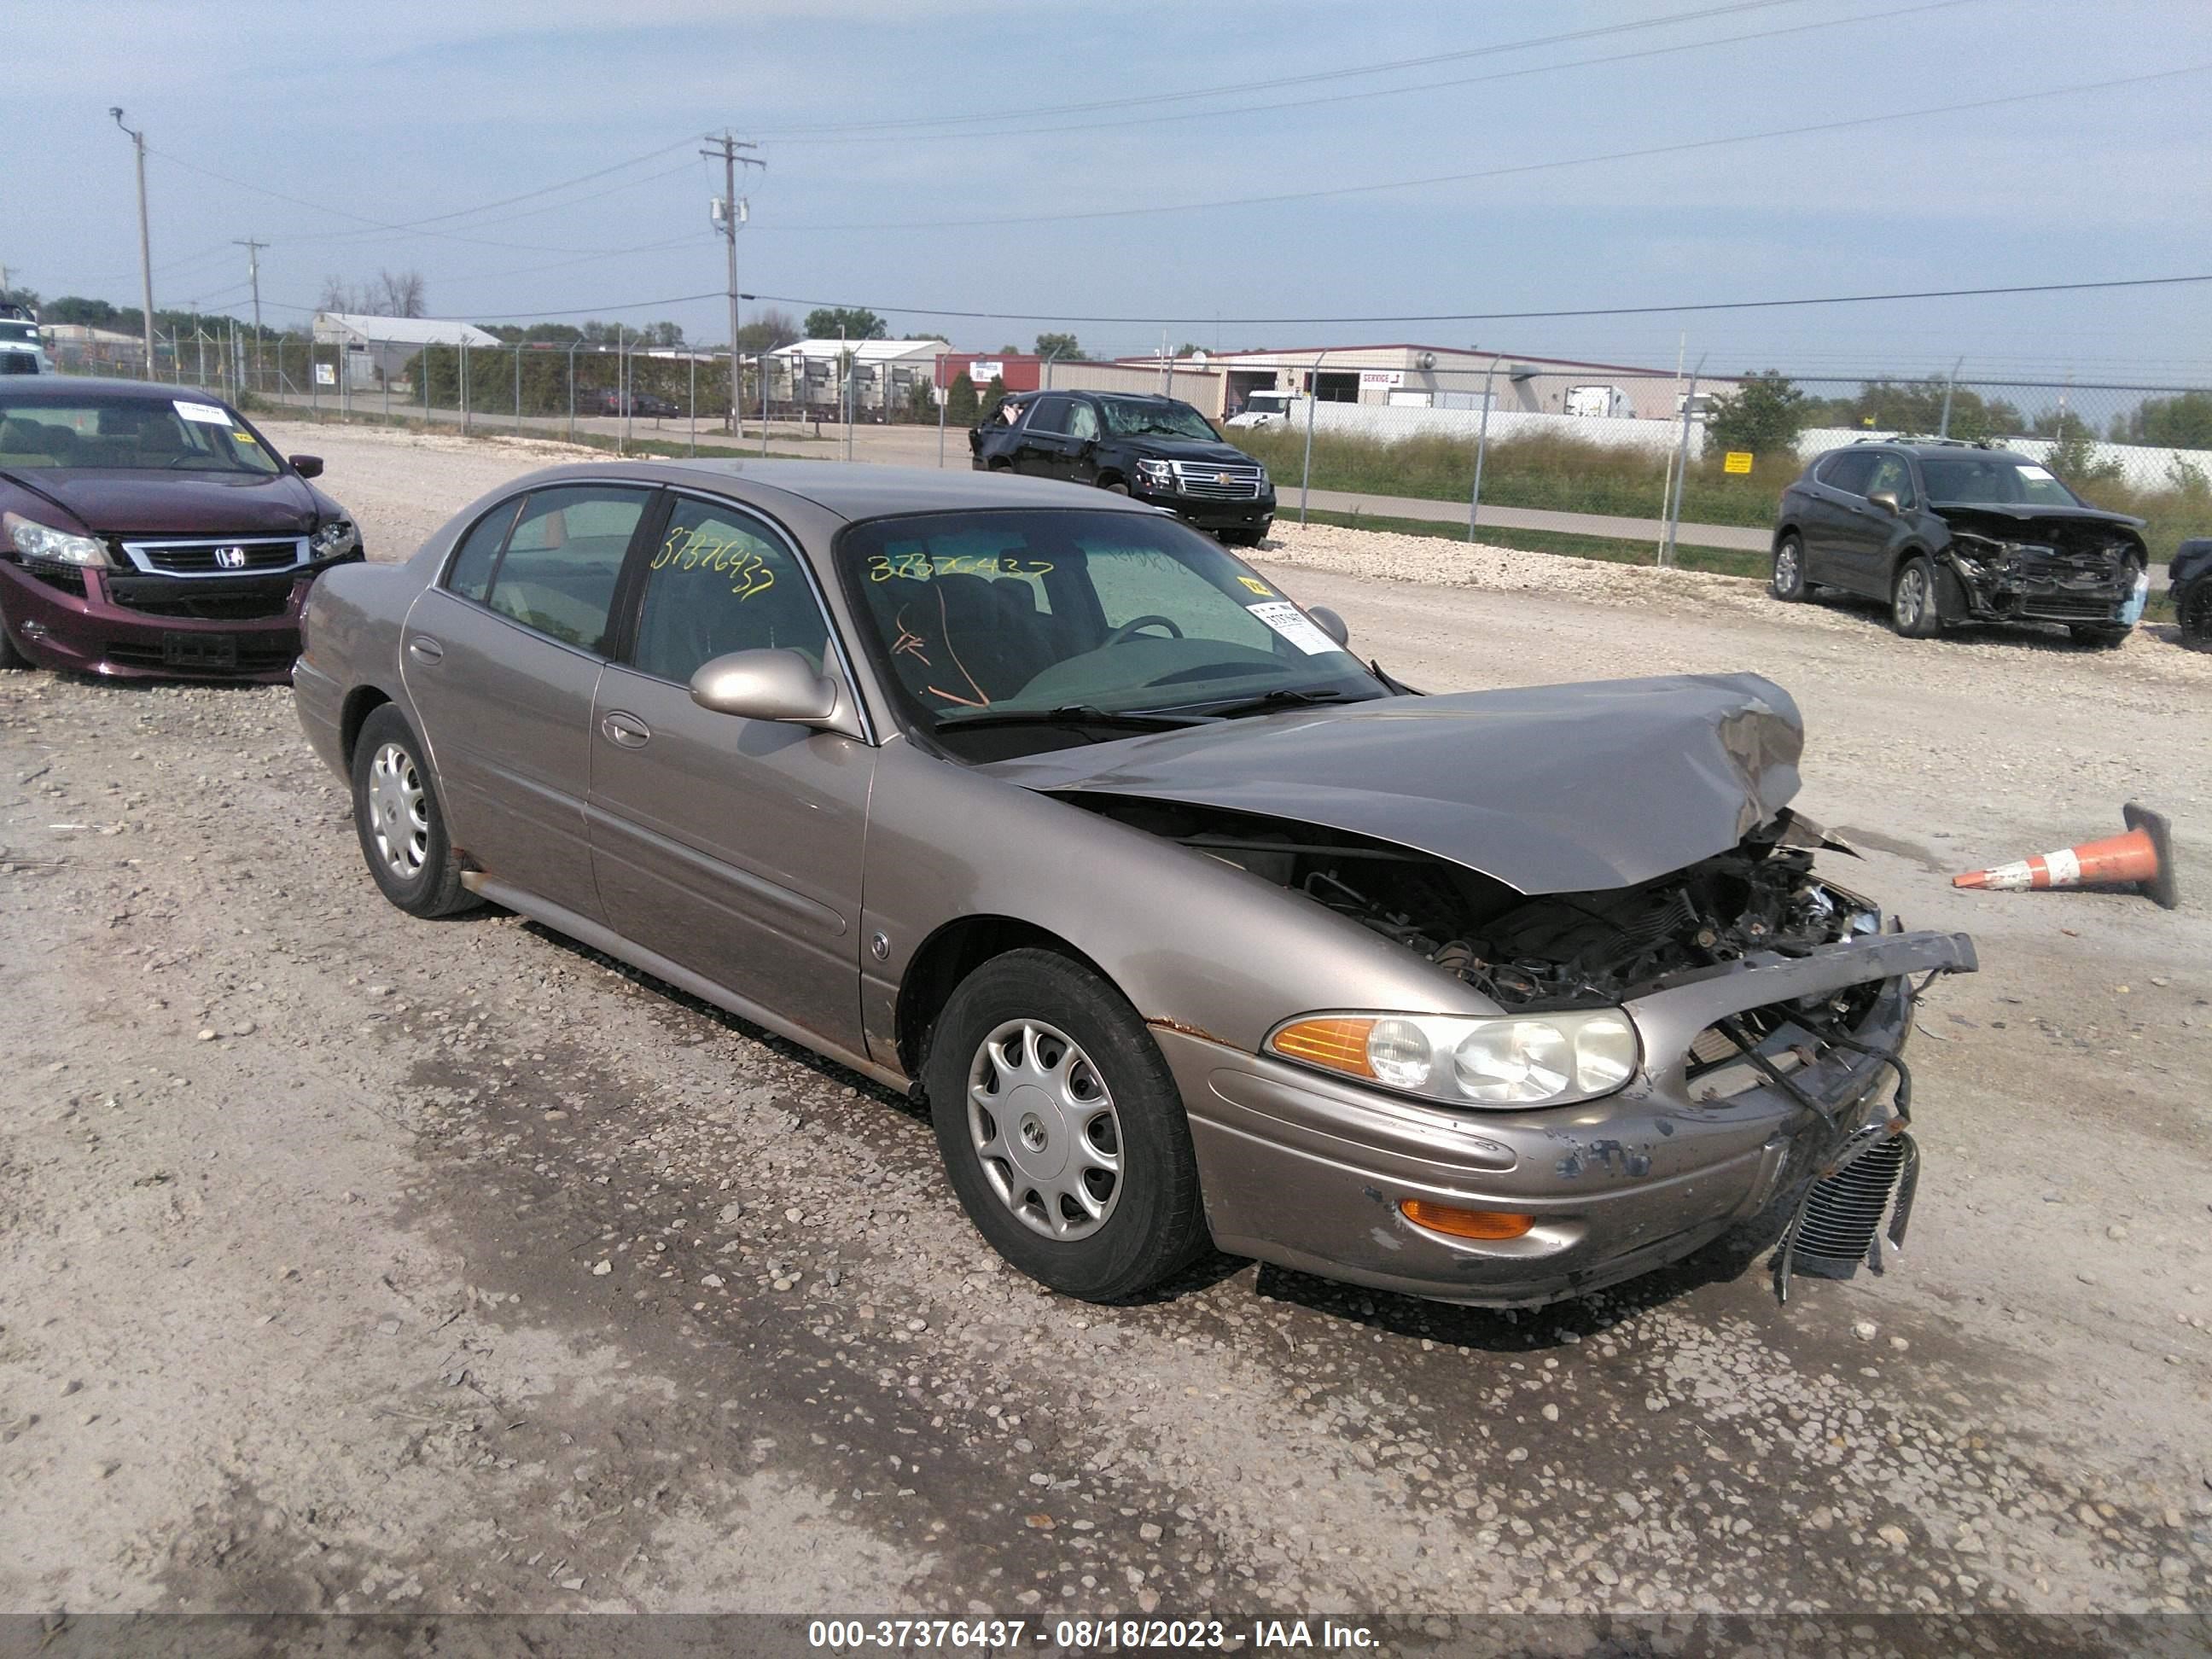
(86, 313)
(2074, 456)
(20, 296)
(1764, 415)
(1917, 406)
(769, 331)
(922, 401)
(961, 405)
(855, 322)
(1061, 348)
(2181, 421)
(995, 393)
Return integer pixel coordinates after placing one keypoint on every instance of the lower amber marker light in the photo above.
(1465, 1224)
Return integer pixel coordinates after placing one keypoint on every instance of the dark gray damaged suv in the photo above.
(1948, 531)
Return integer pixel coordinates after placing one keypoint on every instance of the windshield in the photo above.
(113, 435)
(1994, 480)
(110, 434)
(1127, 418)
(1120, 613)
(28, 333)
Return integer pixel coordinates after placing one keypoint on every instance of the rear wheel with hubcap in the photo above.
(1061, 1128)
(1912, 601)
(401, 826)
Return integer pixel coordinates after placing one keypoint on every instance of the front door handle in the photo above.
(426, 647)
(626, 731)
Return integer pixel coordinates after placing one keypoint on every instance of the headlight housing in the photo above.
(1501, 1061)
(336, 539)
(1158, 474)
(34, 540)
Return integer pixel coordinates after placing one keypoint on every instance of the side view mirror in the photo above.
(1329, 623)
(307, 466)
(1886, 500)
(773, 685)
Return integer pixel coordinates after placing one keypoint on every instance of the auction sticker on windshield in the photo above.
(1294, 625)
(205, 414)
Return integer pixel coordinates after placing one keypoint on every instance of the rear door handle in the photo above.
(426, 647)
(626, 731)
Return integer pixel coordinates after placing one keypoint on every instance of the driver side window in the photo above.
(1892, 474)
(1083, 422)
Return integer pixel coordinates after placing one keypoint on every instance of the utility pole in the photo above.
(253, 274)
(145, 244)
(728, 211)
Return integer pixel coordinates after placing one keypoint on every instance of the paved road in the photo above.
(911, 446)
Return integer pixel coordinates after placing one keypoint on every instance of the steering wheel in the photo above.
(1128, 630)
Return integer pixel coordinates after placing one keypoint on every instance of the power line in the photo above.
(1231, 89)
(362, 218)
(579, 310)
(1498, 316)
(1683, 146)
(1303, 103)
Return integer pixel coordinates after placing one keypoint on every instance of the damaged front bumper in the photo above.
(1993, 581)
(1310, 1172)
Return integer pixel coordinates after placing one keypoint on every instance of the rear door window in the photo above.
(563, 559)
(1049, 415)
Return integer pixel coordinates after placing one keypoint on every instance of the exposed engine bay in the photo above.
(2042, 569)
(1552, 952)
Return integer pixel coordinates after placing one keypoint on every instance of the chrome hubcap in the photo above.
(1785, 567)
(1042, 1124)
(399, 811)
(1912, 597)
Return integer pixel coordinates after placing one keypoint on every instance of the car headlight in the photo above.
(1502, 1061)
(338, 538)
(34, 540)
(1158, 474)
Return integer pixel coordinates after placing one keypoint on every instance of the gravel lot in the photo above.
(353, 1262)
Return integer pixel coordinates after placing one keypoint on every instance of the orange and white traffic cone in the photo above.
(2142, 858)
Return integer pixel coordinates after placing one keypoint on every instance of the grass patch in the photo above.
(1720, 560)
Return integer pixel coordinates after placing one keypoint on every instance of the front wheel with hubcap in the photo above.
(1789, 582)
(1061, 1128)
(401, 826)
(1912, 601)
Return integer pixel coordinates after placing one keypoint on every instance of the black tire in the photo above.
(1242, 538)
(1115, 487)
(2101, 639)
(2194, 610)
(10, 655)
(434, 888)
(1912, 601)
(1153, 1223)
(1788, 581)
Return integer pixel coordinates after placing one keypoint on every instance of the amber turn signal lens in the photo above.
(1338, 1044)
(1465, 1224)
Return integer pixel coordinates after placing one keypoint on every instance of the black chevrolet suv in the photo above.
(1160, 450)
(1949, 531)
(2191, 579)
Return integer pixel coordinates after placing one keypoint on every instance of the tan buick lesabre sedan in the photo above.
(1190, 927)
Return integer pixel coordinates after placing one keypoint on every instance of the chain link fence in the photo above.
(1612, 443)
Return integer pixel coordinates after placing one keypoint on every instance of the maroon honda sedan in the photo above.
(149, 531)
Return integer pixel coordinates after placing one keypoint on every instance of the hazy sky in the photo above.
(329, 122)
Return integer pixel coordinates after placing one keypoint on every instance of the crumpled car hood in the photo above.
(1548, 788)
(2008, 523)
